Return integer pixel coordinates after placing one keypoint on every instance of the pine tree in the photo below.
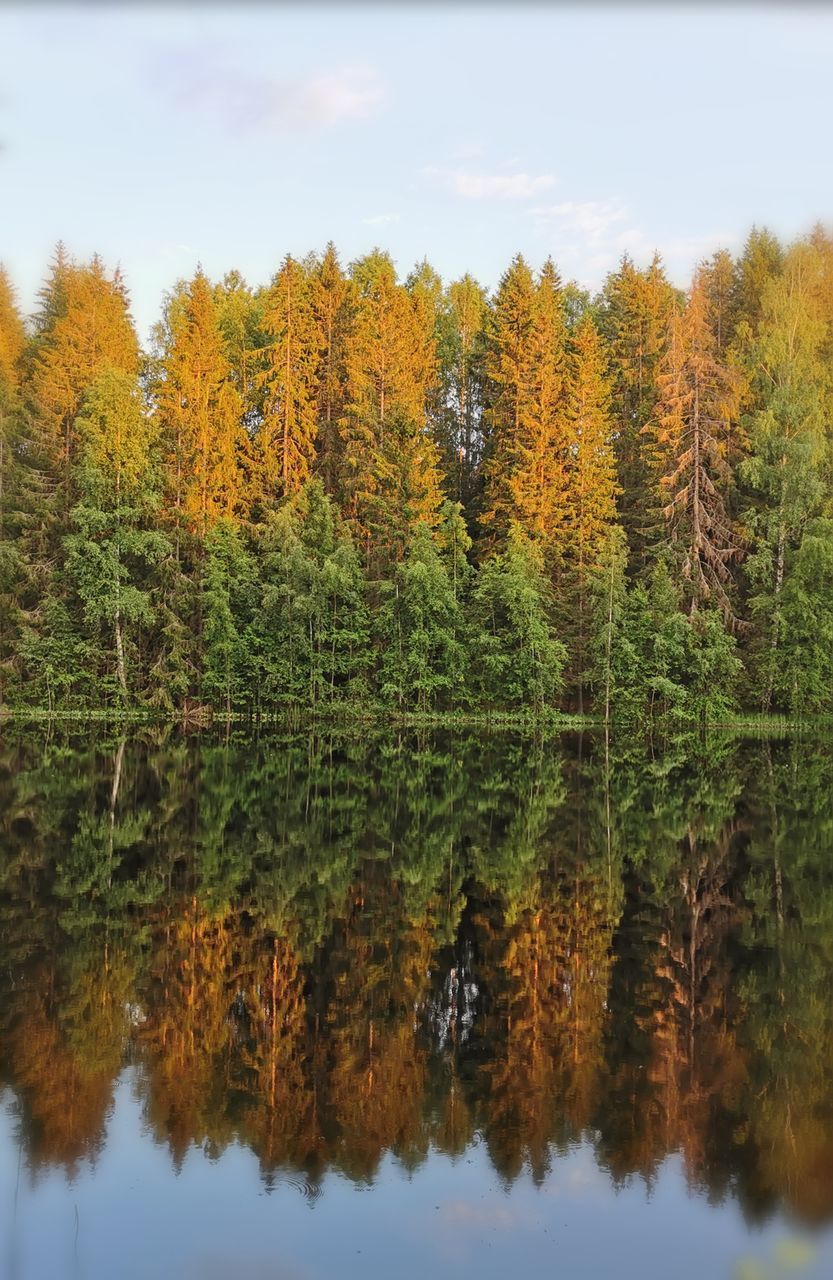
(286, 438)
(199, 410)
(526, 367)
(697, 402)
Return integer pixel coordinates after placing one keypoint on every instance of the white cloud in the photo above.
(492, 186)
(589, 237)
(209, 81)
(592, 219)
(381, 219)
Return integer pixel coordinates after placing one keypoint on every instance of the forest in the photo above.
(346, 491)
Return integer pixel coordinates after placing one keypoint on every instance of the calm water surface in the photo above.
(307, 1008)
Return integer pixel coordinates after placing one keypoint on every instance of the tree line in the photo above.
(343, 489)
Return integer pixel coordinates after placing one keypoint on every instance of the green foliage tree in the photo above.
(229, 600)
(517, 661)
(787, 448)
(420, 628)
(314, 624)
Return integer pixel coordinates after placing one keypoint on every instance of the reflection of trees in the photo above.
(330, 949)
(544, 983)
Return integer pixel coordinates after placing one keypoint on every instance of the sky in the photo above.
(163, 137)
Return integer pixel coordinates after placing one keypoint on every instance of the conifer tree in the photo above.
(517, 661)
(230, 595)
(85, 327)
(390, 481)
(591, 468)
(288, 428)
(720, 285)
(610, 667)
(526, 367)
(240, 316)
(802, 678)
(331, 294)
(591, 484)
(199, 410)
(420, 628)
(314, 625)
(697, 400)
(633, 318)
(112, 538)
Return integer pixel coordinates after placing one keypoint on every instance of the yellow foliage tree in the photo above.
(390, 476)
(526, 366)
(200, 411)
(285, 446)
(88, 328)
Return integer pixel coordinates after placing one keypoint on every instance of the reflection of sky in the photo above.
(138, 1220)
(468, 132)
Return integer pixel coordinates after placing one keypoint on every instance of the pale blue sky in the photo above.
(462, 133)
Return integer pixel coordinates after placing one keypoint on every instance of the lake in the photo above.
(301, 1007)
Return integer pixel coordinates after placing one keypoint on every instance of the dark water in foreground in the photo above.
(417, 1007)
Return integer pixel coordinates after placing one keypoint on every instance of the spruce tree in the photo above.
(286, 438)
(527, 371)
(633, 318)
(517, 662)
(591, 489)
(313, 617)
(200, 412)
(390, 480)
(113, 537)
(419, 626)
(696, 406)
(229, 600)
(331, 294)
(85, 327)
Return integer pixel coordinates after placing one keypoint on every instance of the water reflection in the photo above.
(331, 949)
